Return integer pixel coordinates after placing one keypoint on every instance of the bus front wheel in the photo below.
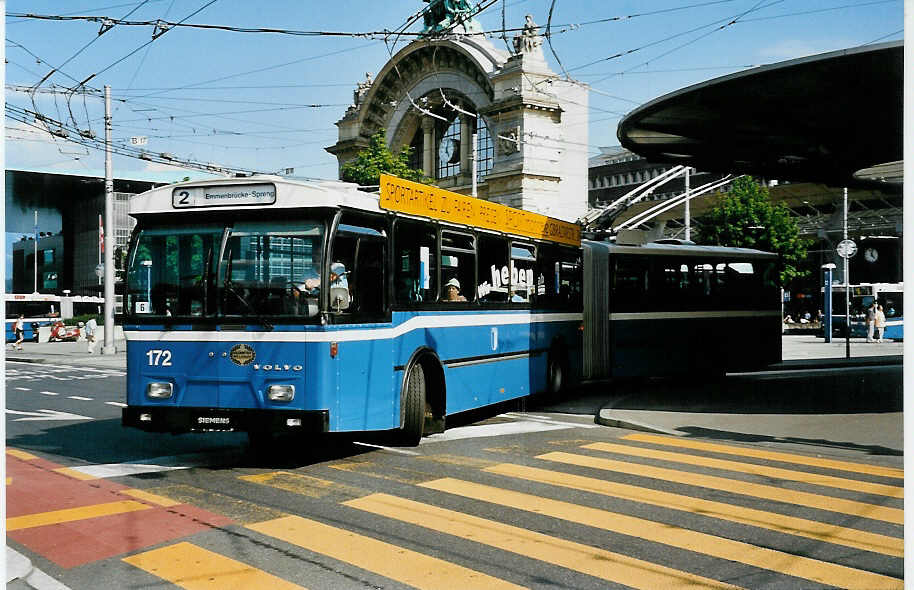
(414, 407)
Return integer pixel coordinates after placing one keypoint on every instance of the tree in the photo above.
(745, 217)
(367, 167)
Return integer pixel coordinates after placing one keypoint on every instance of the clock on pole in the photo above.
(846, 248)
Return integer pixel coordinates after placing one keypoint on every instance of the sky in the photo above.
(268, 102)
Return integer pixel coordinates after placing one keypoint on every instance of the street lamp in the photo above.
(148, 265)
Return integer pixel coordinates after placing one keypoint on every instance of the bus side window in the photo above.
(415, 271)
(629, 282)
(458, 261)
(494, 271)
(557, 278)
(523, 259)
(369, 278)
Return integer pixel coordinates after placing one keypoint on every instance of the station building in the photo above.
(68, 209)
(436, 93)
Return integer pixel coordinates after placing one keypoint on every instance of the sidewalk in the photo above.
(70, 353)
(815, 396)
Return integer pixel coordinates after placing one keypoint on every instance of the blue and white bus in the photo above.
(889, 295)
(435, 303)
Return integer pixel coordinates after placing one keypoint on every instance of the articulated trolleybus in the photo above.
(271, 305)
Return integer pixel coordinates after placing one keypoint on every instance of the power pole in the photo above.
(688, 212)
(108, 347)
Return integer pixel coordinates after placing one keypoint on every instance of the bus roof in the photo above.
(260, 191)
(655, 249)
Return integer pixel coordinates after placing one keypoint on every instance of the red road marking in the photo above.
(37, 488)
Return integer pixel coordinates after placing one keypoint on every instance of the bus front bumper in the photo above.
(177, 420)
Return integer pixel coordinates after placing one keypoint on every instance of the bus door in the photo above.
(362, 357)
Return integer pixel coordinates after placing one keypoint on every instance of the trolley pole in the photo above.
(108, 347)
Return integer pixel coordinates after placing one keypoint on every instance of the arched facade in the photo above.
(531, 127)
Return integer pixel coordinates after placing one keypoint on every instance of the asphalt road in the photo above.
(542, 498)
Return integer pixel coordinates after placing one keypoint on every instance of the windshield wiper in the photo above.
(229, 286)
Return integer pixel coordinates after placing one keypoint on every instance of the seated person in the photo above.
(338, 278)
(452, 291)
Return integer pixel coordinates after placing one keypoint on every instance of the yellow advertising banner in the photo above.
(420, 199)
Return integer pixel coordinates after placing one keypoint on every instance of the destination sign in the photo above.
(223, 196)
(420, 199)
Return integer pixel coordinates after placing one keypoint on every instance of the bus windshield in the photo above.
(271, 268)
(266, 269)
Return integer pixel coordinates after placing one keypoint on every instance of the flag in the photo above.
(101, 236)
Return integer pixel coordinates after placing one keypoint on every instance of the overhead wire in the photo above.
(155, 37)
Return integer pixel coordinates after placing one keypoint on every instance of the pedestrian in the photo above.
(880, 323)
(91, 327)
(870, 322)
(20, 332)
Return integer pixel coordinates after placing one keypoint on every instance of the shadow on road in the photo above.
(106, 441)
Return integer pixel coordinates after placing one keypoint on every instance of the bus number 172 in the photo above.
(159, 358)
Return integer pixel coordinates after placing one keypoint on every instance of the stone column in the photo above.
(428, 147)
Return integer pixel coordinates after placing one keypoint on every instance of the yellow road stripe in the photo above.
(74, 474)
(73, 514)
(151, 498)
(592, 561)
(195, 568)
(658, 532)
(21, 454)
(781, 523)
(767, 492)
(303, 485)
(768, 455)
(762, 470)
(409, 567)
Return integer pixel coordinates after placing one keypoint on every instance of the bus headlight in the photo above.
(158, 390)
(281, 393)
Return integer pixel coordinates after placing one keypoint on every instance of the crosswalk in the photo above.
(644, 511)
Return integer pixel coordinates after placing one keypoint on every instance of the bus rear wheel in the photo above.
(555, 373)
(414, 407)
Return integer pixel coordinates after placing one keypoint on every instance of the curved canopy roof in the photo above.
(818, 119)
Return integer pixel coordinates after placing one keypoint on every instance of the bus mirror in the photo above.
(339, 298)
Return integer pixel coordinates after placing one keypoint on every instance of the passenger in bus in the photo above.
(452, 291)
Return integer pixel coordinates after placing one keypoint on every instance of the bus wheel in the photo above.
(555, 373)
(414, 413)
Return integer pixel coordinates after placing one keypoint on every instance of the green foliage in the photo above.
(745, 217)
(366, 169)
(74, 321)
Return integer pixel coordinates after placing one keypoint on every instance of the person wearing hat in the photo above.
(452, 291)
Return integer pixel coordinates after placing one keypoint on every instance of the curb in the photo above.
(19, 571)
(605, 418)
